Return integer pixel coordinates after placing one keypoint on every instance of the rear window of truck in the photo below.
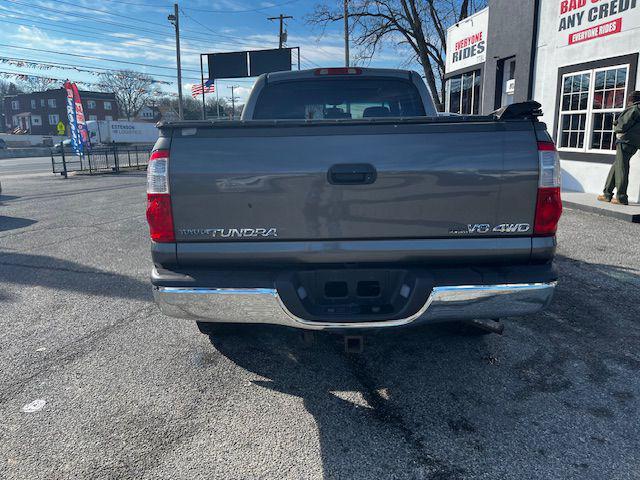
(313, 99)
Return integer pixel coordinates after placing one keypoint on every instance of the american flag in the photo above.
(199, 88)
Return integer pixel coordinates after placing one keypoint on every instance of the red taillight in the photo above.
(338, 71)
(548, 203)
(155, 155)
(548, 211)
(546, 147)
(159, 215)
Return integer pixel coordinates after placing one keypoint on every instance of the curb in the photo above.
(628, 217)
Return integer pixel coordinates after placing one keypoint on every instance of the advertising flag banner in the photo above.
(76, 139)
(82, 125)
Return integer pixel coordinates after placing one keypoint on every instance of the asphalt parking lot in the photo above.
(132, 394)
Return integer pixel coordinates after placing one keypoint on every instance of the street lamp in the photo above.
(175, 21)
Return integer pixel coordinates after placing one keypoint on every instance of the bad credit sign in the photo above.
(582, 21)
(467, 42)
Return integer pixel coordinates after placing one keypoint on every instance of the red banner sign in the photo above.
(602, 30)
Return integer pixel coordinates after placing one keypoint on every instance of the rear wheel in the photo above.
(217, 329)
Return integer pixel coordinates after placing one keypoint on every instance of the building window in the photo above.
(54, 118)
(15, 105)
(42, 102)
(590, 102)
(507, 70)
(36, 120)
(51, 102)
(463, 93)
(33, 104)
(107, 105)
(91, 104)
(93, 117)
(108, 118)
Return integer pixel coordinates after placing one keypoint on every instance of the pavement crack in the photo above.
(384, 412)
(67, 354)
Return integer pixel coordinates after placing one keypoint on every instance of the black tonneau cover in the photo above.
(516, 111)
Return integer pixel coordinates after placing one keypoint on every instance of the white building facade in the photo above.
(586, 65)
(579, 59)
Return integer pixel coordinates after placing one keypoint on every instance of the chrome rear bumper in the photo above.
(263, 305)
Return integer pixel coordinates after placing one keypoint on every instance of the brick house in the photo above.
(38, 113)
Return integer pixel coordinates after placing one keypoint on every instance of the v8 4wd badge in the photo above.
(485, 228)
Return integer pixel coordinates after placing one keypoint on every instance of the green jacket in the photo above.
(628, 124)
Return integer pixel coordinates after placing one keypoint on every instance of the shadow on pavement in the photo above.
(67, 276)
(7, 198)
(555, 395)
(11, 223)
(358, 408)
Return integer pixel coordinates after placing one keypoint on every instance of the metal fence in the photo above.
(107, 159)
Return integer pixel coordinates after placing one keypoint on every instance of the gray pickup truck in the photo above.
(342, 200)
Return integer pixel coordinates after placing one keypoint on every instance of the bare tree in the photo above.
(215, 106)
(39, 84)
(192, 107)
(8, 88)
(132, 90)
(420, 25)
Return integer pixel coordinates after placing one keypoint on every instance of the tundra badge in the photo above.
(230, 232)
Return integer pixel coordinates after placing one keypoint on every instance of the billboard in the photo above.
(582, 21)
(248, 63)
(467, 42)
(228, 65)
(265, 61)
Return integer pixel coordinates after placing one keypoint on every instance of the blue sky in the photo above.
(138, 31)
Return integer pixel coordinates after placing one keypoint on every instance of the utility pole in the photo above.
(346, 33)
(233, 101)
(283, 35)
(175, 20)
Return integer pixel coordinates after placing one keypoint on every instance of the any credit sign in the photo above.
(583, 20)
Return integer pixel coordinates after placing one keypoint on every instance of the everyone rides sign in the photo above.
(467, 42)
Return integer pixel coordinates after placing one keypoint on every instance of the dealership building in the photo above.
(578, 58)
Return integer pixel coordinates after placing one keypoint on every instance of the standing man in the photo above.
(627, 130)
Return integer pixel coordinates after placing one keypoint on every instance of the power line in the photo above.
(92, 57)
(147, 31)
(17, 74)
(99, 20)
(249, 10)
(140, 4)
(195, 40)
(77, 31)
(306, 60)
(84, 68)
(259, 9)
(110, 13)
(150, 42)
(232, 37)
